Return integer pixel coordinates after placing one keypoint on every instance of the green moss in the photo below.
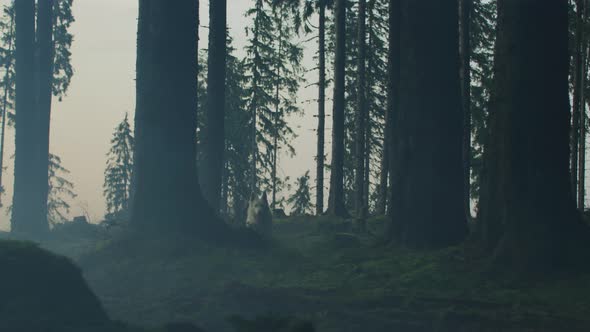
(365, 287)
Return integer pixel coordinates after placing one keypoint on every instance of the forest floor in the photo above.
(321, 270)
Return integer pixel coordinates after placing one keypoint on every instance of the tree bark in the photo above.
(336, 197)
(321, 110)
(393, 73)
(577, 108)
(45, 51)
(213, 130)
(428, 202)
(27, 206)
(528, 201)
(277, 112)
(7, 69)
(167, 195)
(361, 110)
(582, 108)
(465, 51)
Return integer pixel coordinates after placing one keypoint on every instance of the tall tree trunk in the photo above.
(465, 10)
(392, 98)
(527, 193)
(213, 131)
(45, 50)
(321, 110)
(582, 102)
(393, 85)
(336, 197)
(277, 112)
(27, 208)
(167, 195)
(383, 187)
(428, 202)
(7, 69)
(223, 208)
(254, 108)
(577, 108)
(361, 111)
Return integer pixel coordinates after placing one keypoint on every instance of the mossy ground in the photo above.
(322, 270)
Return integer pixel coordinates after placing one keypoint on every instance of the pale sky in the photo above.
(103, 90)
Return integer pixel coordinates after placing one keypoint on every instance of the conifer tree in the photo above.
(166, 195)
(235, 186)
(27, 211)
(375, 93)
(61, 192)
(321, 6)
(336, 204)
(377, 150)
(541, 231)
(212, 132)
(428, 201)
(53, 71)
(300, 201)
(483, 37)
(393, 89)
(274, 72)
(7, 62)
(117, 176)
(360, 113)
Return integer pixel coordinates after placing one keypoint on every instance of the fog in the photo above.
(103, 90)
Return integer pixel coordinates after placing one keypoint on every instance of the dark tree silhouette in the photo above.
(466, 7)
(528, 213)
(361, 113)
(321, 155)
(213, 130)
(336, 198)
(51, 74)
(393, 73)
(577, 107)
(167, 194)
(427, 177)
(45, 58)
(28, 208)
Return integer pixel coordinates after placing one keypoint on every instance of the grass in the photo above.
(320, 269)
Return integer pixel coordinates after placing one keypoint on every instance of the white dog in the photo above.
(259, 217)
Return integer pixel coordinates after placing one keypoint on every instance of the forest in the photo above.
(447, 191)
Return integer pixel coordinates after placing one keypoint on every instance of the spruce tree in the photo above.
(374, 92)
(336, 204)
(300, 201)
(377, 150)
(51, 64)
(61, 192)
(166, 195)
(7, 62)
(213, 130)
(465, 10)
(393, 89)
(528, 147)
(360, 113)
(117, 175)
(27, 210)
(273, 66)
(483, 37)
(237, 152)
(321, 6)
(428, 201)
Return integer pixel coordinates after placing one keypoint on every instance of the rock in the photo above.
(42, 291)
